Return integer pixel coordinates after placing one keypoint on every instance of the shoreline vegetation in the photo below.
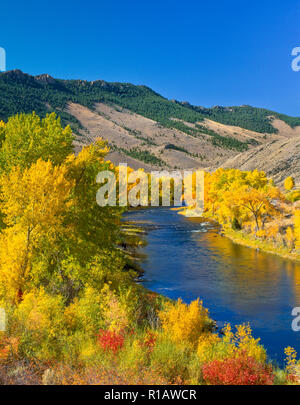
(292, 366)
(75, 313)
(242, 238)
(253, 212)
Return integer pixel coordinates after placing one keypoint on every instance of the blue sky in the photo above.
(207, 52)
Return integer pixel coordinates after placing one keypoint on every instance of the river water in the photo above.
(188, 258)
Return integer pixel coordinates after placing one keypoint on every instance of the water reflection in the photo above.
(188, 258)
(254, 275)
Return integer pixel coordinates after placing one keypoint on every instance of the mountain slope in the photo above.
(278, 159)
(247, 117)
(142, 127)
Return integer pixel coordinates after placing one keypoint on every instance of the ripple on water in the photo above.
(236, 283)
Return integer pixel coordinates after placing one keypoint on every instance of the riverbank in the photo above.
(188, 258)
(245, 239)
(251, 241)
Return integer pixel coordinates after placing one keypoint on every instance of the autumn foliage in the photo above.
(185, 323)
(239, 198)
(289, 183)
(75, 312)
(242, 370)
(110, 340)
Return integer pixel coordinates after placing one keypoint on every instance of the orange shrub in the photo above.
(8, 347)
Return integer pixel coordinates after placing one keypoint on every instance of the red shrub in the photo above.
(237, 371)
(110, 341)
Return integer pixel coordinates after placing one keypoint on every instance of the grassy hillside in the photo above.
(252, 118)
(20, 92)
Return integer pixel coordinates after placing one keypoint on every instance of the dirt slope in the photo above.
(125, 130)
(277, 154)
(278, 159)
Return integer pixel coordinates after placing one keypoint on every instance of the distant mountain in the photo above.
(142, 127)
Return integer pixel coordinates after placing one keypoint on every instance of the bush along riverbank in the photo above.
(253, 212)
(246, 239)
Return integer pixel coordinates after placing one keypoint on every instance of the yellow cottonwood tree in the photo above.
(289, 183)
(36, 196)
(33, 202)
(93, 226)
(185, 323)
(26, 137)
(290, 237)
(257, 202)
(297, 229)
(235, 197)
(14, 260)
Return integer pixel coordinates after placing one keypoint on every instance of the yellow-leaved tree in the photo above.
(184, 323)
(33, 202)
(25, 138)
(234, 197)
(289, 183)
(297, 229)
(258, 202)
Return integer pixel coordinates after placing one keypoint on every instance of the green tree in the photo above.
(27, 138)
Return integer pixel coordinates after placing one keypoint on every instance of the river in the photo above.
(188, 258)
